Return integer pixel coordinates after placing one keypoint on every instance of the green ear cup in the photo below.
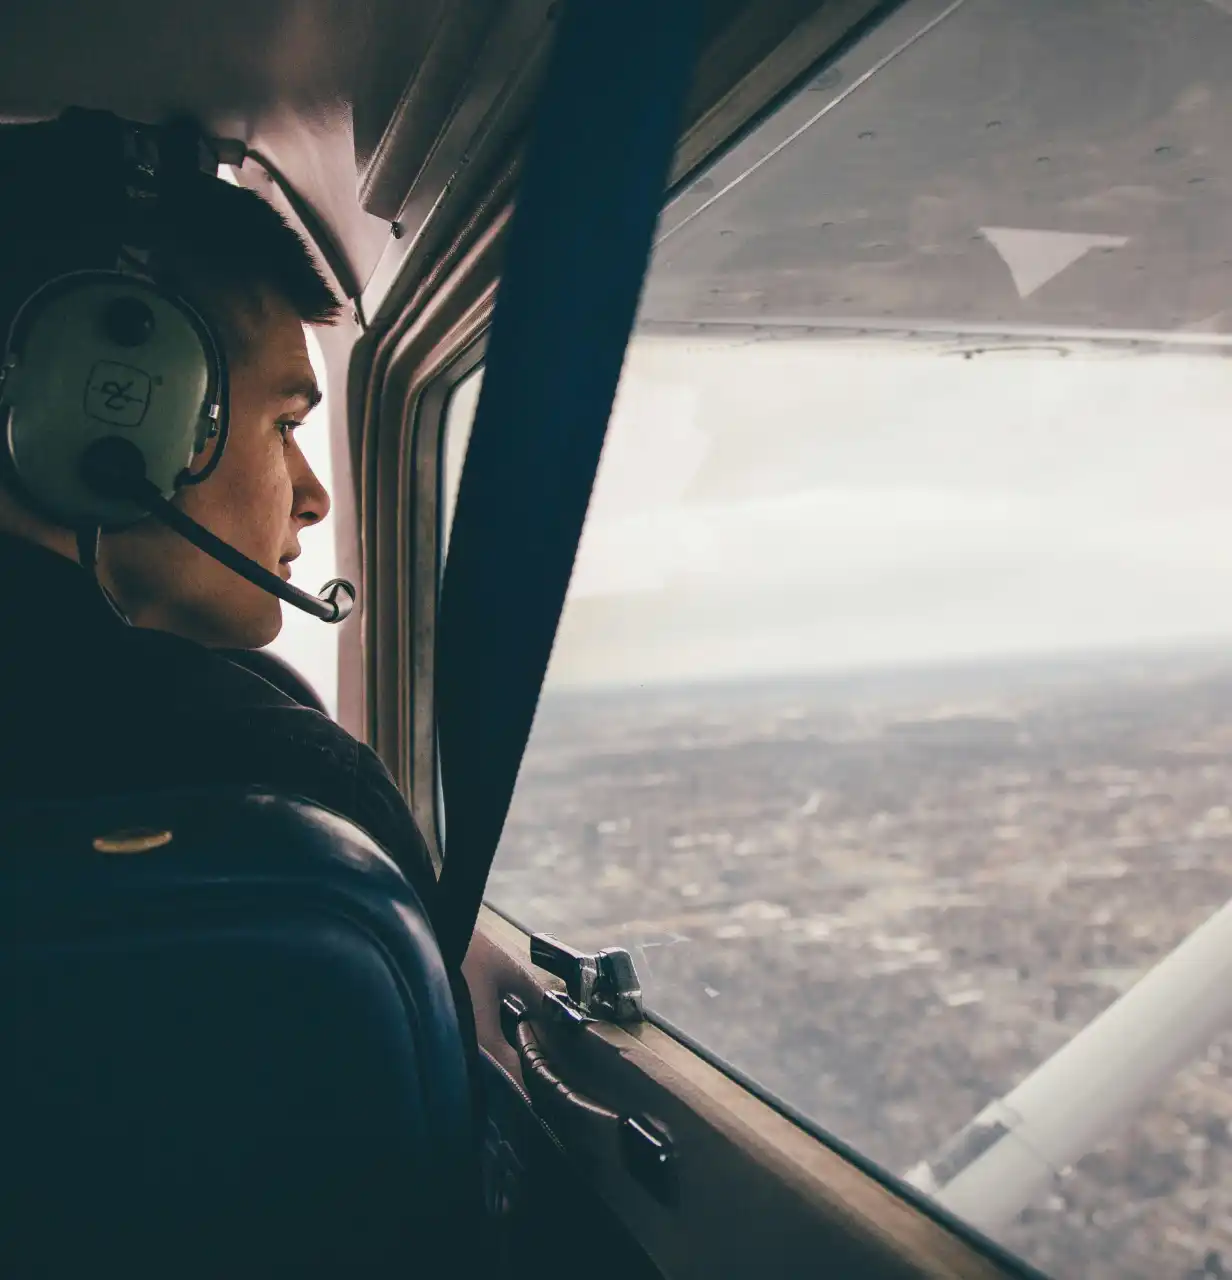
(101, 354)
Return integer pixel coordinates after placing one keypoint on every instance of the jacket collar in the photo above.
(42, 588)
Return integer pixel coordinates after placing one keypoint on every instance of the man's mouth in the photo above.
(284, 566)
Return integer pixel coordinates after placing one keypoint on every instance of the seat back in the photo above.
(231, 1048)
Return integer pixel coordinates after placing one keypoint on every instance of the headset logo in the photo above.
(117, 394)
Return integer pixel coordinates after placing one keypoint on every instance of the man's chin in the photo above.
(253, 627)
(266, 628)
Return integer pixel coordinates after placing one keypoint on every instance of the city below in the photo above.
(888, 897)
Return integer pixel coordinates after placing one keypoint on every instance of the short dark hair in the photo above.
(225, 246)
(221, 245)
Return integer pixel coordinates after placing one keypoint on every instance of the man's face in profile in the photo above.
(260, 499)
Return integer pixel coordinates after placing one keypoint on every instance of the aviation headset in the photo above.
(114, 386)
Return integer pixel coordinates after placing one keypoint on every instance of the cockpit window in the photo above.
(889, 724)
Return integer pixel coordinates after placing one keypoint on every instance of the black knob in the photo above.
(128, 322)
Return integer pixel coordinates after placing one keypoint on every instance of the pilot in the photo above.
(117, 679)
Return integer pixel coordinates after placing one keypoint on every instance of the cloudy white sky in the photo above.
(786, 506)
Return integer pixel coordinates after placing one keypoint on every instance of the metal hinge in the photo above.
(603, 987)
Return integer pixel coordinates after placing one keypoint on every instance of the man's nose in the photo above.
(311, 498)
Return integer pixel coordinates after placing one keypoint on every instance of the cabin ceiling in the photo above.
(312, 82)
(224, 60)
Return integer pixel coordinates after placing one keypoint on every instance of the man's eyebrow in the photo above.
(302, 388)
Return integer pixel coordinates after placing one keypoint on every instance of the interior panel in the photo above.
(758, 1195)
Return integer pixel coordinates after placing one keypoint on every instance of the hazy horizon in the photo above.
(1196, 650)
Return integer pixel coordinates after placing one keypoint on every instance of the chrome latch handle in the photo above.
(618, 990)
(579, 971)
(603, 986)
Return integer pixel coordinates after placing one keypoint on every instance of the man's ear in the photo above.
(206, 457)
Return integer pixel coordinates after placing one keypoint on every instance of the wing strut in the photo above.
(992, 1169)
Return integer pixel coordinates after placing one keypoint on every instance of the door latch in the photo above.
(645, 1144)
(602, 987)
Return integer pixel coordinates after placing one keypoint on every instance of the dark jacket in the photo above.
(89, 705)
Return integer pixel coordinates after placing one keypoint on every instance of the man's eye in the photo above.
(285, 428)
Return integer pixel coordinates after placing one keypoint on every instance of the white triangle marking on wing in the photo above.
(1034, 257)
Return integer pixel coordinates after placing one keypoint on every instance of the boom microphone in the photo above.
(115, 469)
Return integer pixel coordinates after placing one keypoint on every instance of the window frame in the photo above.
(414, 371)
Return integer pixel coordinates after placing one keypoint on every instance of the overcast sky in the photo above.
(782, 506)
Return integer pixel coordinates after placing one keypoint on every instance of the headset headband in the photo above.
(144, 163)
